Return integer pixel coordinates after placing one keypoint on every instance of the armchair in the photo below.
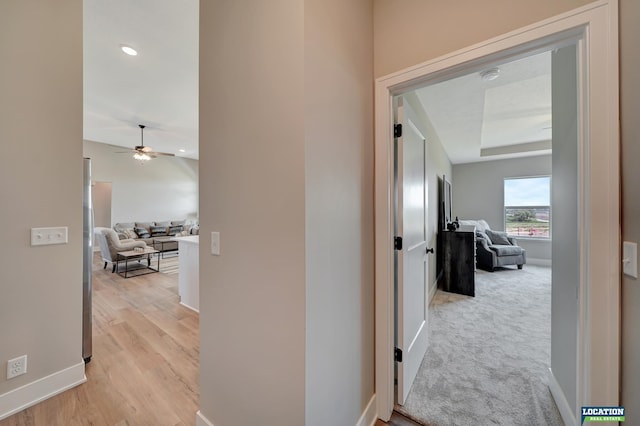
(110, 245)
(495, 248)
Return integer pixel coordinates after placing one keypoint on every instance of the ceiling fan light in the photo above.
(128, 50)
(141, 156)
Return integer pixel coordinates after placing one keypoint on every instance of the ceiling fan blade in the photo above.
(166, 154)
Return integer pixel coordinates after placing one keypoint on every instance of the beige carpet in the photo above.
(488, 356)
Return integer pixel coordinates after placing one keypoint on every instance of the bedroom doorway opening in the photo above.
(506, 142)
(595, 129)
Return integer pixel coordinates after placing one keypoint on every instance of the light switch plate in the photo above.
(47, 236)
(630, 259)
(215, 243)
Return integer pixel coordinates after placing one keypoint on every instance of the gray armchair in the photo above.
(495, 248)
(110, 245)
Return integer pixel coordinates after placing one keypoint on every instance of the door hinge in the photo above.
(397, 355)
(397, 243)
(397, 130)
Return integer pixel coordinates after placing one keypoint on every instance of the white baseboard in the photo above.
(561, 401)
(190, 307)
(32, 393)
(432, 291)
(539, 262)
(201, 420)
(369, 415)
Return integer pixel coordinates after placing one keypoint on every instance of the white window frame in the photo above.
(505, 207)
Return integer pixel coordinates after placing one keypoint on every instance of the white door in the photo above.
(411, 257)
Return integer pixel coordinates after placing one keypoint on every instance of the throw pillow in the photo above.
(498, 237)
(480, 234)
(142, 232)
(157, 231)
(174, 230)
(129, 233)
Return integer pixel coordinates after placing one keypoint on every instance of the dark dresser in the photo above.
(459, 261)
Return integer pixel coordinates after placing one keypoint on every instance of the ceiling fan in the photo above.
(146, 153)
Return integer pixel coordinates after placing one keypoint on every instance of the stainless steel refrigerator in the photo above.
(87, 261)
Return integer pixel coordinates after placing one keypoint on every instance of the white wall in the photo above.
(630, 129)
(338, 59)
(478, 193)
(40, 185)
(165, 188)
(438, 164)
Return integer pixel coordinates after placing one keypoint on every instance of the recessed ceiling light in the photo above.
(128, 50)
(490, 74)
(182, 150)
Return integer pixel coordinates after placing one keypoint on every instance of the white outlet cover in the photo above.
(630, 259)
(215, 243)
(48, 236)
(16, 367)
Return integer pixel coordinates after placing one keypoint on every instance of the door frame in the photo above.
(595, 26)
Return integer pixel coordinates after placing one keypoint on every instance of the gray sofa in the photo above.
(147, 231)
(495, 248)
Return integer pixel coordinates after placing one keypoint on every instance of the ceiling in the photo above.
(478, 120)
(157, 88)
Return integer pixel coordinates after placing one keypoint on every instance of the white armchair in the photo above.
(110, 245)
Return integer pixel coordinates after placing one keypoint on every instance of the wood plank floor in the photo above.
(144, 369)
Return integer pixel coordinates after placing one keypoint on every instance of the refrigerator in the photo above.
(87, 261)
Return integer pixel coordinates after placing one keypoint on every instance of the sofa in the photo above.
(495, 248)
(147, 231)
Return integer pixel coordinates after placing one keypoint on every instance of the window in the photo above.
(527, 207)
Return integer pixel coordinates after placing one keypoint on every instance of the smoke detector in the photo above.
(490, 74)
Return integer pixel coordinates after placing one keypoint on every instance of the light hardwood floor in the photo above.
(144, 369)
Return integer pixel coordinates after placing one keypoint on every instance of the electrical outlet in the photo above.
(16, 367)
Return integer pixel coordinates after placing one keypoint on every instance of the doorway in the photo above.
(597, 177)
(101, 198)
(483, 135)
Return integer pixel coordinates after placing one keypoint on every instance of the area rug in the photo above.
(488, 356)
(169, 265)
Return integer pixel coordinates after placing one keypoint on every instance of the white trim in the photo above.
(187, 306)
(538, 262)
(432, 291)
(201, 420)
(369, 415)
(566, 413)
(599, 344)
(32, 393)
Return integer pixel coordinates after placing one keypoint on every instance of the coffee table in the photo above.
(161, 241)
(133, 262)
